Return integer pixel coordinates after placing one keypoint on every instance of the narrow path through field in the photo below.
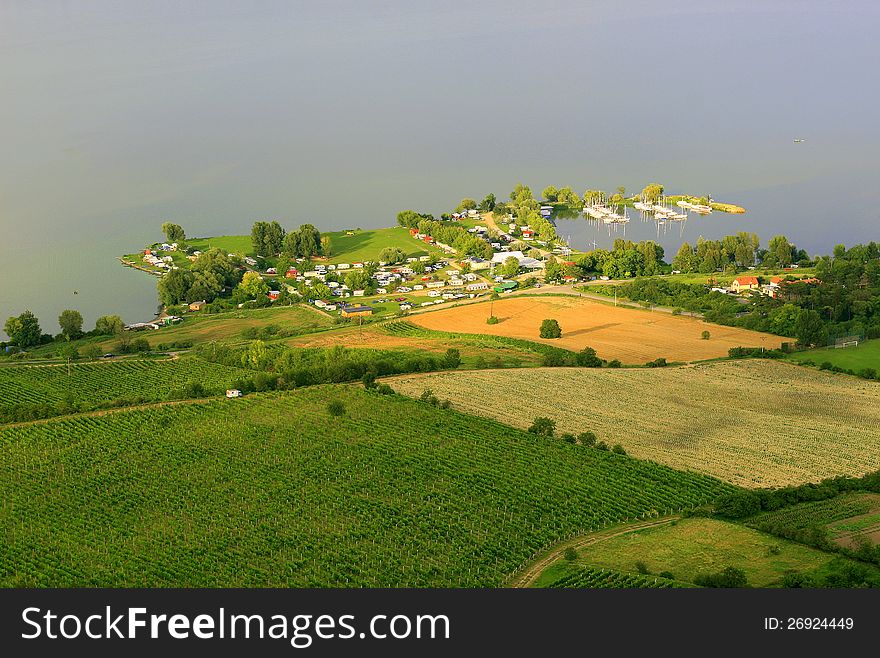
(531, 573)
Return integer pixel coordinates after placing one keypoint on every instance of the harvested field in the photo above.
(631, 335)
(754, 423)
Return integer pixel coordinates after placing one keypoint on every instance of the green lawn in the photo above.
(697, 546)
(864, 355)
(357, 245)
(232, 244)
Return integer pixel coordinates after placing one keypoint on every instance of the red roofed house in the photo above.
(745, 283)
(274, 294)
(291, 273)
(527, 233)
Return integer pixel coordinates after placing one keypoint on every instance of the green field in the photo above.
(271, 490)
(365, 245)
(695, 546)
(231, 244)
(103, 382)
(863, 355)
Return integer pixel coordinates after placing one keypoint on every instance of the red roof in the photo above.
(776, 279)
(746, 280)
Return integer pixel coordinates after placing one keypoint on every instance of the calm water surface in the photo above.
(118, 115)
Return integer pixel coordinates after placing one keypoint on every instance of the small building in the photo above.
(356, 311)
(233, 393)
(479, 285)
(435, 284)
(742, 283)
(506, 286)
(197, 306)
(528, 233)
(274, 295)
(291, 273)
(271, 270)
(358, 293)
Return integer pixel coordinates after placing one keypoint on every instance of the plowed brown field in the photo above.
(632, 335)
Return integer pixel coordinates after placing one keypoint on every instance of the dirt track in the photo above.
(533, 571)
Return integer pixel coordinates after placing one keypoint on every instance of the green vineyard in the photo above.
(93, 383)
(404, 328)
(818, 513)
(597, 578)
(272, 490)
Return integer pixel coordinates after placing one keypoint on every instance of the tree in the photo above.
(510, 267)
(809, 328)
(309, 241)
(335, 408)
(550, 193)
(587, 438)
(550, 329)
(391, 255)
(652, 192)
(68, 351)
(23, 330)
(569, 197)
(618, 449)
(543, 426)
(173, 286)
(587, 358)
(109, 325)
(267, 238)
(452, 358)
(326, 245)
(729, 577)
(706, 335)
(466, 204)
(71, 323)
(488, 204)
(684, 259)
(173, 232)
(252, 286)
(91, 351)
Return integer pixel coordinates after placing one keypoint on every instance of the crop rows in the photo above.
(404, 328)
(93, 382)
(271, 490)
(818, 513)
(754, 423)
(598, 578)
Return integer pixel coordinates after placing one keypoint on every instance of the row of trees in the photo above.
(464, 243)
(626, 259)
(737, 251)
(270, 239)
(24, 329)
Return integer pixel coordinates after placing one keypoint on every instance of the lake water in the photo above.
(119, 115)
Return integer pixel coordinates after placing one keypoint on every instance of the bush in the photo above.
(336, 408)
(543, 426)
(384, 389)
(666, 574)
(568, 437)
(642, 568)
(492, 320)
(705, 335)
(657, 363)
(601, 445)
(369, 380)
(550, 329)
(587, 358)
(826, 365)
(729, 577)
(571, 554)
(452, 359)
(587, 438)
(618, 449)
(614, 363)
(677, 311)
(429, 397)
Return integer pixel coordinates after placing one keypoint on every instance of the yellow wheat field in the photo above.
(754, 423)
